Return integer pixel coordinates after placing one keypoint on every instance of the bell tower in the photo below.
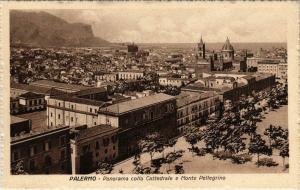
(201, 49)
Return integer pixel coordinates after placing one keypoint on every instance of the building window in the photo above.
(58, 116)
(86, 148)
(97, 145)
(105, 151)
(106, 141)
(71, 119)
(62, 166)
(62, 155)
(95, 123)
(40, 101)
(144, 115)
(62, 140)
(96, 110)
(51, 114)
(91, 110)
(16, 156)
(114, 138)
(47, 146)
(72, 106)
(32, 150)
(114, 148)
(31, 165)
(51, 124)
(48, 160)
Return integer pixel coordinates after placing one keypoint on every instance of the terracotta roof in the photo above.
(185, 98)
(74, 99)
(31, 95)
(54, 92)
(89, 91)
(131, 105)
(38, 134)
(29, 88)
(14, 119)
(96, 131)
(50, 84)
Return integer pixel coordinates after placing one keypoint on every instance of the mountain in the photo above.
(41, 29)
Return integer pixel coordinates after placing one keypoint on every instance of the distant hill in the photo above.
(41, 29)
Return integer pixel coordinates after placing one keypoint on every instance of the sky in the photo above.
(162, 24)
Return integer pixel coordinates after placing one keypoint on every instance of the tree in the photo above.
(249, 127)
(274, 132)
(18, 168)
(104, 168)
(179, 169)
(258, 146)
(236, 146)
(193, 135)
(284, 151)
(172, 143)
(212, 137)
(151, 144)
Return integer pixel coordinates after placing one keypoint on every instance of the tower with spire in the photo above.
(227, 51)
(201, 49)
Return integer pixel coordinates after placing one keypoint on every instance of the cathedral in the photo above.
(200, 54)
(226, 57)
(203, 63)
(215, 61)
(227, 51)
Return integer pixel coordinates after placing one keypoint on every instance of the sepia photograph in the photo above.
(149, 94)
(171, 91)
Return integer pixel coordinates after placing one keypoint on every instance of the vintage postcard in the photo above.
(150, 94)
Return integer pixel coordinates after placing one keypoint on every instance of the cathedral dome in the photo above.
(227, 46)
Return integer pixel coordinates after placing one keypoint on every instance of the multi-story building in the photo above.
(98, 94)
(227, 51)
(170, 81)
(130, 75)
(89, 146)
(193, 108)
(19, 126)
(109, 77)
(282, 71)
(139, 117)
(268, 66)
(132, 49)
(252, 62)
(73, 111)
(42, 152)
(230, 85)
(31, 102)
(47, 84)
(14, 106)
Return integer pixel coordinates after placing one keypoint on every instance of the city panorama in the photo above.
(98, 92)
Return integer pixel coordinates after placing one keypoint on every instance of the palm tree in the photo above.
(258, 146)
(284, 152)
(18, 168)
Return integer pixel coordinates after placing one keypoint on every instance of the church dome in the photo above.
(227, 46)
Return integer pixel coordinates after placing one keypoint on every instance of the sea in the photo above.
(216, 46)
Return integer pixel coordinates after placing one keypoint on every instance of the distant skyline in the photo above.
(182, 25)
